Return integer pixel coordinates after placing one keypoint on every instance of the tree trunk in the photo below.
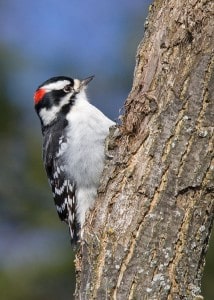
(148, 235)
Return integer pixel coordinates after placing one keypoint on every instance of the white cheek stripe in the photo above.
(48, 115)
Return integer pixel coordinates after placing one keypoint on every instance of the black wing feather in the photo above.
(63, 188)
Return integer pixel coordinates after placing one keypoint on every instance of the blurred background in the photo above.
(38, 40)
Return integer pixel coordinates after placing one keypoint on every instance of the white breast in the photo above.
(86, 133)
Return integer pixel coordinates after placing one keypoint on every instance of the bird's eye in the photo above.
(68, 88)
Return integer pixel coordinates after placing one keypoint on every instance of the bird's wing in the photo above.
(63, 188)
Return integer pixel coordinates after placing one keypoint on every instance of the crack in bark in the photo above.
(207, 77)
(125, 261)
(210, 167)
(136, 234)
(184, 155)
(99, 267)
(132, 289)
(178, 124)
(179, 246)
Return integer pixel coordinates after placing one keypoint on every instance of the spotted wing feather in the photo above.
(63, 188)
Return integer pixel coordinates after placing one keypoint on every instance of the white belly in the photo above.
(85, 154)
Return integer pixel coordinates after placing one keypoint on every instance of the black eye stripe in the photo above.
(68, 88)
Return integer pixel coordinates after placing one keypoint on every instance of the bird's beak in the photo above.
(86, 81)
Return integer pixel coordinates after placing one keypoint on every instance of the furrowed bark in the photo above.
(148, 234)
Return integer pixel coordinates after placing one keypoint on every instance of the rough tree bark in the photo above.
(148, 235)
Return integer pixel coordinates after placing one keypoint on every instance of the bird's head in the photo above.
(55, 94)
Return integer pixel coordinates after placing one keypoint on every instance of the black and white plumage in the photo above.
(74, 133)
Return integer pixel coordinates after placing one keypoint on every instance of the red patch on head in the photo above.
(39, 94)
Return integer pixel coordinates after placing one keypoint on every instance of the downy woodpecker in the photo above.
(74, 133)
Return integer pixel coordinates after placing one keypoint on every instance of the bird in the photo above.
(74, 133)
